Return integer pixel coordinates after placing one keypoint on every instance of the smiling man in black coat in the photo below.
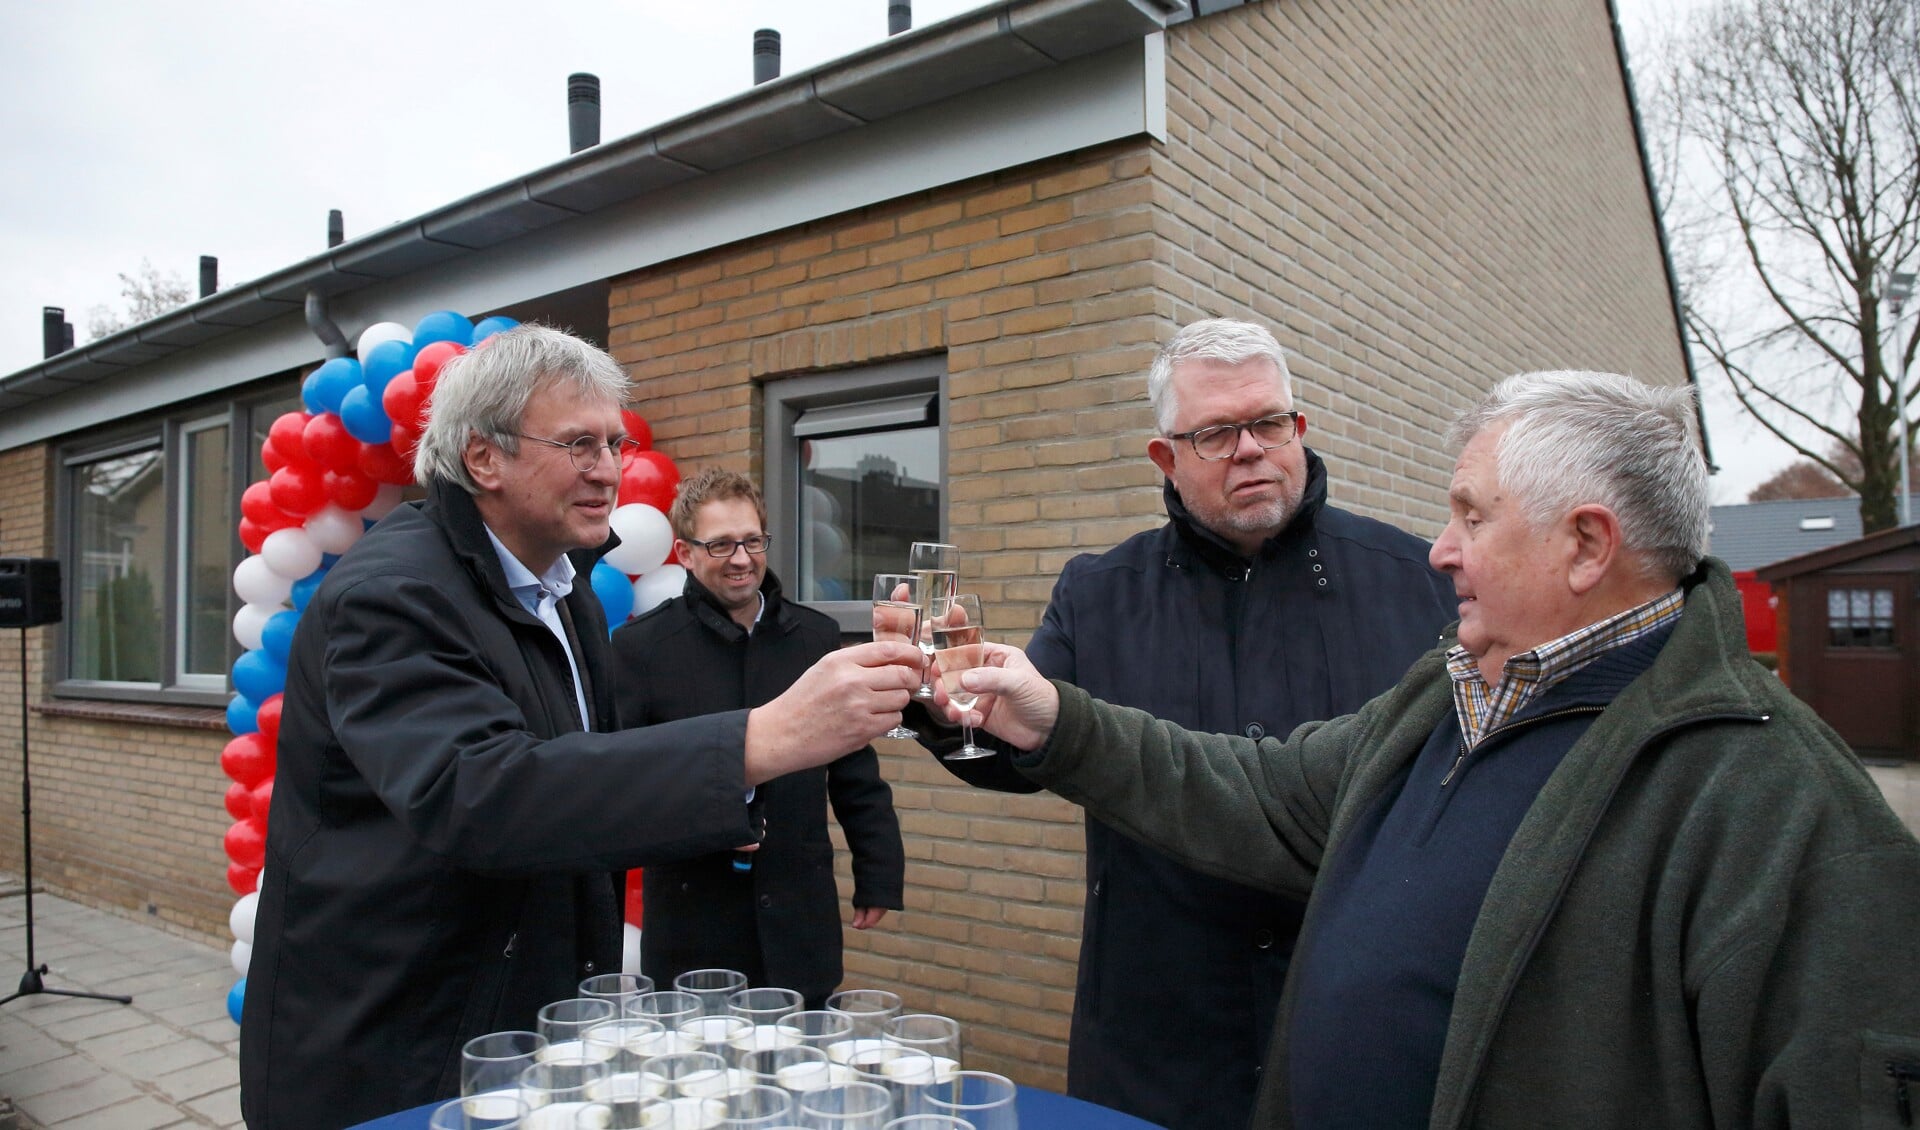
(1257, 607)
(732, 641)
(455, 801)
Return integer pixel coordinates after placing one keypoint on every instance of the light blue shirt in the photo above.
(541, 596)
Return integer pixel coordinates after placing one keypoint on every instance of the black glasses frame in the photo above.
(1198, 435)
(725, 547)
(585, 450)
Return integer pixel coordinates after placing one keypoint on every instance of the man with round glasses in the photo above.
(733, 640)
(1257, 607)
(456, 798)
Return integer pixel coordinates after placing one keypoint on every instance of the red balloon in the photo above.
(251, 535)
(239, 801)
(256, 505)
(286, 438)
(243, 880)
(427, 362)
(637, 428)
(649, 477)
(351, 491)
(268, 718)
(247, 759)
(403, 397)
(380, 462)
(261, 799)
(405, 442)
(247, 845)
(270, 455)
(329, 444)
(298, 489)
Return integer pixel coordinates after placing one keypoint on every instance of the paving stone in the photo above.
(22, 1045)
(139, 1113)
(66, 1071)
(222, 1107)
(75, 1029)
(100, 1091)
(172, 1056)
(216, 1074)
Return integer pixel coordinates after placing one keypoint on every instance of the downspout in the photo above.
(1660, 231)
(322, 326)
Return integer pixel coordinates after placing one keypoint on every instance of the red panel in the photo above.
(1757, 601)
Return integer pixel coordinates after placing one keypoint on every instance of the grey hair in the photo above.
(1575, 438)
(1212, 339)
(484, 392)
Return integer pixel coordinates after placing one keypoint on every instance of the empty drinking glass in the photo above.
(558, 1092)
(938, 1036)
(869, 1009)
(712, 986)
(616, 987)
(929, 1122)
(563, 1023)
(792, 1069)
(492, 1064)
(980, 1097)
(851, 1106)
(499, 1111)
(818, 1028)
(756, 1107)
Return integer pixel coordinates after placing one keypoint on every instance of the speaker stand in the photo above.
(33, 982)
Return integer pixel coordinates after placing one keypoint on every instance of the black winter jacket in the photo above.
(780, 922)
(445, 847)
(1180, 973)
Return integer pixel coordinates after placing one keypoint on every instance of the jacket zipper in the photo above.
(1511, 726)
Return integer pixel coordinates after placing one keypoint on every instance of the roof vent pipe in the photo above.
(583, 111)
(209, 275)
(899, 16)
(53, 331)
(336, 228)
(766, 55)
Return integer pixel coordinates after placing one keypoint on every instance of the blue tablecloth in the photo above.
(1039, 1110)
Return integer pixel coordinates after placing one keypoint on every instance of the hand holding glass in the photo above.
(896, 618)
(958, 633)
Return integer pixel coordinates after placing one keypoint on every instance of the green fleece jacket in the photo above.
(1709, 917)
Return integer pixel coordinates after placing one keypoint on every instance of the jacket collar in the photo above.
(1194, 544)
(706, 608)
(453, 510)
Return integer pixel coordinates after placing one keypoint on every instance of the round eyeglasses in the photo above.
(1221, 440)
(724, 547)
(585, 450)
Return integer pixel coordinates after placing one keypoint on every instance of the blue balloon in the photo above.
(243, 715)
(258, 675)
(236, 998)
(304, 588)
(276, 638)
(615, 593)
(487, 327)
(330, 384)
(384, 362)
(364, 417)
(443, 325)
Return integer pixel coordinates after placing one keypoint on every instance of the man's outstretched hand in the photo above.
(1017, 704)
(843, 702)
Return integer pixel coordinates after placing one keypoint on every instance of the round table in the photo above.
(1039, 1110)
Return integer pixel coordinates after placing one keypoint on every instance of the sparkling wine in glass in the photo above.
(937, 566)
(896, 618)
(958, 635)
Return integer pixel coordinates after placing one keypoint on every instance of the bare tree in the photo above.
(146, 294)
(1792, 192)
(1803, 478)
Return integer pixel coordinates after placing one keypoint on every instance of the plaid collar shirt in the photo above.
(1528, 675)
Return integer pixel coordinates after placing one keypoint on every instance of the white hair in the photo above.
(484, 392)
(1213, 339)
(1575, 438)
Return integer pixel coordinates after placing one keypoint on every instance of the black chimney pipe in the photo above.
(583, 111)
(336, 228)
(53, 331)
(209, 275)
(899, 16)
(66, 336)
(766, 55)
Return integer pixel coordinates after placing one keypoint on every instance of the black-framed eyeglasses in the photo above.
(585, 450)
(1221, 440)
(724, 547)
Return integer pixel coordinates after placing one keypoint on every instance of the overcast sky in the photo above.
(163, 132)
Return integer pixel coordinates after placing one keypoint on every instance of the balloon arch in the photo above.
(334, 470)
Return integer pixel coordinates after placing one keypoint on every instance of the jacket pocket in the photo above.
(1889, 1081)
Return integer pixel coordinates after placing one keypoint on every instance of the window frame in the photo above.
(786, 399)
(169, 430)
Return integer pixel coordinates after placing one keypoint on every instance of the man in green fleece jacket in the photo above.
(1588, 864)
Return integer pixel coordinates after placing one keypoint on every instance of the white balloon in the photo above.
(333, 530)
(241, 956)
(248, 622)
(257, 583)
(646, 537)
(630, 948)
(384, 501)
(829, 546)
(240, 918)
(378, 332)
(291, 552)
(656, 588)
(819, 504)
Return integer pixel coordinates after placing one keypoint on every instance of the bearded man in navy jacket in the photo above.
(1257, 607)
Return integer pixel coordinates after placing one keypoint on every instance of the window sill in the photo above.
(137, 713)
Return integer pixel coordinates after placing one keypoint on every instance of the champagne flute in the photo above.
(896, 617)
(938, 567)
(958, 632)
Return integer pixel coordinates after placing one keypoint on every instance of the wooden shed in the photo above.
(1850, 638)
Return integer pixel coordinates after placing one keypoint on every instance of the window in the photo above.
(855, 472)
(1859, 617)
(147, 532)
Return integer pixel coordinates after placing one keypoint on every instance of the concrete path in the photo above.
(168, 1059)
